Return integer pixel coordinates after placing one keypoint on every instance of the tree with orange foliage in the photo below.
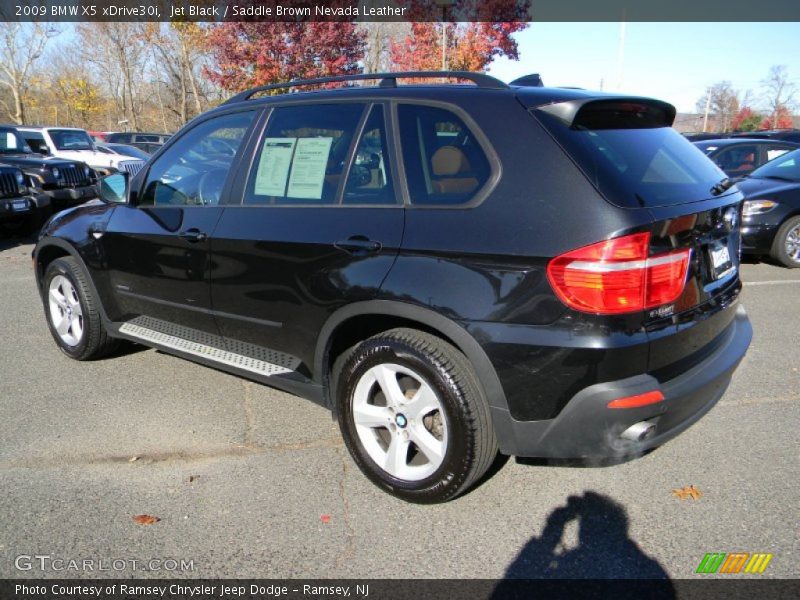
(483, 34)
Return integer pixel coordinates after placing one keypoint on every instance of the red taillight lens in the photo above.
(617, 276)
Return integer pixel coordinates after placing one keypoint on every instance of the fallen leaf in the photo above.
(145, 519)
(688, 491)
(193, 478)
(326, 518)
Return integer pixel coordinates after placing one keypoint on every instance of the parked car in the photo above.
(739, 157)
(451, 269)
(98, 136)
(786, 135)
(75, 144)
(123, 150)
(18, 208)
(771, 211)
(695, 136)
(56, 183)
(149, 142)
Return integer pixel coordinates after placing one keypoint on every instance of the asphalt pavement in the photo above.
(248, 481)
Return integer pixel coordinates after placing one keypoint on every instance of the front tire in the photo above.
(413, 416)
(72, 311)
(786, 246)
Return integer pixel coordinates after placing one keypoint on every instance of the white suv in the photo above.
(76, 144)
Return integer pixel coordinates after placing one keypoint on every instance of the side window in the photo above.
(444, 163)
(776, 151)
(303, 154)
(35, 140)
(737, 158)
(193, 171)
(370, 178)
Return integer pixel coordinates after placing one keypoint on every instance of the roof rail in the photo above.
(532, 80)
(386, 80)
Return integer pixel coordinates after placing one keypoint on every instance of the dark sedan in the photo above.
(739, 157)
(771, 213)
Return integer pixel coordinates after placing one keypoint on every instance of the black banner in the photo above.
(730, 588)
(399, 10)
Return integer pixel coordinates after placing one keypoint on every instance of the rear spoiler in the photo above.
(614, 112)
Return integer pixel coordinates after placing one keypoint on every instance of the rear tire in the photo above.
(429, 437)
(72, 312)
(786, 245)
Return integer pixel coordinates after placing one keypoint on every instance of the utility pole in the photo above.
(708, 107)
(444, 5)
(620, 51)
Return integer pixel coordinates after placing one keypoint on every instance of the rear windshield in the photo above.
(636, 166)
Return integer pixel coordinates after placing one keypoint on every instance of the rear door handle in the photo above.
(193, 235)
(359, 244)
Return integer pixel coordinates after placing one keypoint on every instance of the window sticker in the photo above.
(273, 167)
(308, 168)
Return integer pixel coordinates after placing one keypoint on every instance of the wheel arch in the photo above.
(348, 324)
(53, 248)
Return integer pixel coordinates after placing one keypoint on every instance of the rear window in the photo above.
(636, 161)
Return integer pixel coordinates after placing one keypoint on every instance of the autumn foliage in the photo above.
(252, 54)
(470, 46)
(783, 120)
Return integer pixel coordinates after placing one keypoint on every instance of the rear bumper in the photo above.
(587, 428)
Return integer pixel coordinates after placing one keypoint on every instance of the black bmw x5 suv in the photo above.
(454, 270)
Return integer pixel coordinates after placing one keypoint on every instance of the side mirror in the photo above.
(44, 150)
(114, 188)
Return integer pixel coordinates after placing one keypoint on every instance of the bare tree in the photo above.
(21, 46)
(379, 37)
(178, 57)
(722, 102)
(117, 50)
(779, 91)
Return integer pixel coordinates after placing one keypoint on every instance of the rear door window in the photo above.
(303, 154)
(444, 163)
(370, 177)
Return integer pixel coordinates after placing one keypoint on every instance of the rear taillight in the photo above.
(618, 276)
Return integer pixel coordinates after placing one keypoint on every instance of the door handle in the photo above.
(193, 235)
(359, 244)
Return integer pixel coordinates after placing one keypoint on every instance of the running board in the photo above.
(194, 348)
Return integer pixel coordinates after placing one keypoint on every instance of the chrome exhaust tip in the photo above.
(638, 432)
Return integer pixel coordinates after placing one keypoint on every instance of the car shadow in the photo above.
(604, 550)
(11, 239)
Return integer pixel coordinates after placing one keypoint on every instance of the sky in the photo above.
(670, 61)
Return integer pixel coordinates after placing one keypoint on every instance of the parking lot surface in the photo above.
(251, 482)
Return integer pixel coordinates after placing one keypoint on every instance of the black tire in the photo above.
(471, 445)
(95, 341)
(779, 252)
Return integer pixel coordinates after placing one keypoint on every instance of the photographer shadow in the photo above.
(604, 550)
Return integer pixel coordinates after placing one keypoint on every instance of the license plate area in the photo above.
(720, 259)
(19, 205)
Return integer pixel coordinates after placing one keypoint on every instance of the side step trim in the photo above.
(239, 361)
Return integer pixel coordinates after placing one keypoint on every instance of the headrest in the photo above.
(449, 160)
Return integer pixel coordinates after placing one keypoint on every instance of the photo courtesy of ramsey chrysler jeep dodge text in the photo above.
(455, 270)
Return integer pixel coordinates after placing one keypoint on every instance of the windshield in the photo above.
(71, 139)
(786, 167)
(638, 166)
(126, 150)
(12, 143)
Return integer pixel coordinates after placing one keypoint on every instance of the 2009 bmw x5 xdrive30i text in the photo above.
(452, 269)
